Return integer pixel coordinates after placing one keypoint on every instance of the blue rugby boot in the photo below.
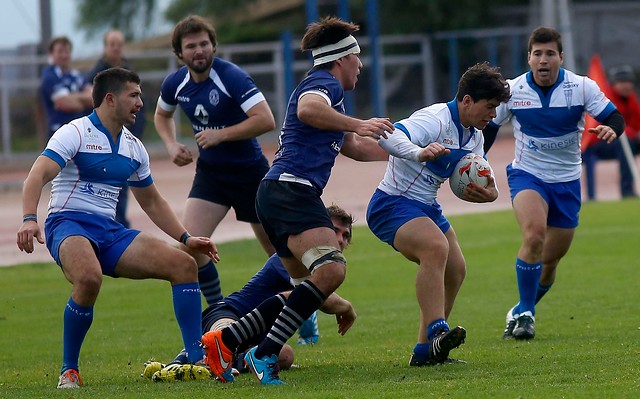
(266, 369)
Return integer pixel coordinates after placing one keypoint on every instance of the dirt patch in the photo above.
(350, 186)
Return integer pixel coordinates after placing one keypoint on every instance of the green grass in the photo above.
(586, 345)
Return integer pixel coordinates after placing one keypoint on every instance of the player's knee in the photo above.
(183, 267)
(88, 284)
(285, 359)
(322, 256)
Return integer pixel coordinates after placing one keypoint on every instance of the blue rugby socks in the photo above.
(77, 320)
(528, 276)
(187, 306)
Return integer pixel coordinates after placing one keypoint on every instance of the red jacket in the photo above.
(630, 109)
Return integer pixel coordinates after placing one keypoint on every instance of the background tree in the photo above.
(131, 17)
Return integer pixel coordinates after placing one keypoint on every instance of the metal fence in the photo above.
(417, 70)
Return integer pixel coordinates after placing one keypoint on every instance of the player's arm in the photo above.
(260, 120)
(161, 214)
(42, 172)
(362, 148)
(399, 145)
(73, 102)
(611, 127)
(345, 314)
(166, 128)
(314, 110)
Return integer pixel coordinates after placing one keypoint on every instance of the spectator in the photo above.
(624, 97)
(65, 91)
(112, 57)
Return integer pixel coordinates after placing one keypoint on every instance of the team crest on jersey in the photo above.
(532, 145)
(201, 114)
(568, 96)
(89, 135)
(87, 189)
(214, 97)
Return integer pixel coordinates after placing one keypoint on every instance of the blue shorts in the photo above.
(234, 187)
(109, 238)
(387, 213)
(564, 199)
(287, 209)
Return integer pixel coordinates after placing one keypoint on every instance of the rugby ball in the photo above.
(471, 168)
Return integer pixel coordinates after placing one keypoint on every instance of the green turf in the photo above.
(586, 343)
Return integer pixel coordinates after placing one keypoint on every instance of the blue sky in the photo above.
(20, 24)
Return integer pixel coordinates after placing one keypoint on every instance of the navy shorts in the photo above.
(387, 213)
(109, 238)
(564, 199)
(286, 209)
(234, 187)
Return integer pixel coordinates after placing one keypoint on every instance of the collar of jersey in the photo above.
(455, 117)
(93, 117)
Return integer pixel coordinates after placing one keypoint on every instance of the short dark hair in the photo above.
(112, 80)
(483, 82)
(59, 40)
(328, 30)
(335, 212)
(188, 26)
(545, 35)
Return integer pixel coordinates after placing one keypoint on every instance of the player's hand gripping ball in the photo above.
(471, 168)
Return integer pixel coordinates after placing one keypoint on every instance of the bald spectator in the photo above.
(112, 56)
(66, 93)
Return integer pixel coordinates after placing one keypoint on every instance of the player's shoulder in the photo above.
(518, 80)
(572, 76)
(438, 111)
(49, 72)
(227, 70)
(177, 77)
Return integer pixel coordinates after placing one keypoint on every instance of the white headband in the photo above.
(332, 52)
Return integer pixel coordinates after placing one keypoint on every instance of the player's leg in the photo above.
(82, 270)
(455, 272)
(263, 238)
(241, 189)
(421, 240)
(531, 212)
(315, 251)
(149, 257)
(201, 218)
(564, 208)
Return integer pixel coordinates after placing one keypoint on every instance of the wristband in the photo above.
(184, 237)
(30, 217)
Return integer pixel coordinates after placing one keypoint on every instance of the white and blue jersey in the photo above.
(270, 280)
(438, 123)
(216, 103)
(548, 127)
(307, 154)
(94, 168)
(55, 84)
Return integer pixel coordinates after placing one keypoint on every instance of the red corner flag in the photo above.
(596, 72)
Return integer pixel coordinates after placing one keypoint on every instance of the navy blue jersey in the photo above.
(55, 84)
(267, 282)
(306, 152)
(218, 102)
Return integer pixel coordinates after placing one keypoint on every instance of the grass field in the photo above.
(586, 345)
